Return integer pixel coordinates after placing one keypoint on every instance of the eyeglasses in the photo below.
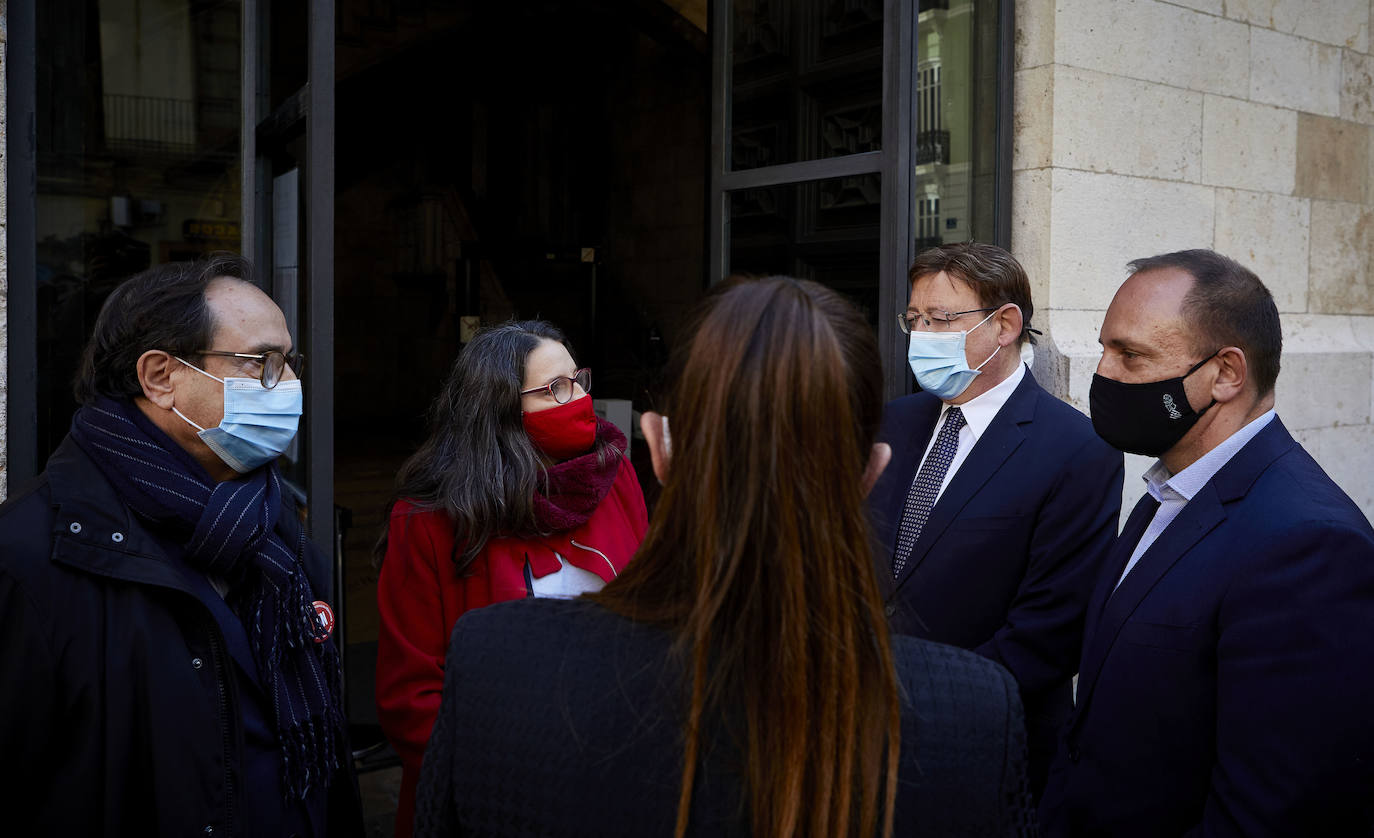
(561, 388)
(906, 321)
(273, 363)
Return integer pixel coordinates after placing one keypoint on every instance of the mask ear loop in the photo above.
(186, 420)
(1194, 369)
(979, 368)
(989, 317)
(207, 375)
(221, 380)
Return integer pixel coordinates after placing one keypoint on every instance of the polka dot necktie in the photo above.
(926, 487)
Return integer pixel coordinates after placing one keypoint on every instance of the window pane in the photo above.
(138, 160)
(826, 230)
(956, 100)
(807, 80)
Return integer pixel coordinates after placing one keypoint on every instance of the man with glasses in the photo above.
(999, 504)
(165, 645)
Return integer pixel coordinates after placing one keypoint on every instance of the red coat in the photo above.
(420, 597)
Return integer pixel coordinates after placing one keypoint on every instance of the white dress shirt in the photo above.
(1174, 491)
(979, 412)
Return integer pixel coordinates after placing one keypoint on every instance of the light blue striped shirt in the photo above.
(1174, 491)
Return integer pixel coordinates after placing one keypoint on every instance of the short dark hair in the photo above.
(993, 273)
(163, 308)
(1227, 306)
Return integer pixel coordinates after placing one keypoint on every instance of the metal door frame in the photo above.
(894, 164)
(315, 104)
(21, 245)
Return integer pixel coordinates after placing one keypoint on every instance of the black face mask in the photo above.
(1145, 418)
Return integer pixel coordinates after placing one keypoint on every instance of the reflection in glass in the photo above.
(806, 80)
(826, 230)
(138, 160)
(954, 146)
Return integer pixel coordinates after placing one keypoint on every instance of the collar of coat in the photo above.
(95, 531)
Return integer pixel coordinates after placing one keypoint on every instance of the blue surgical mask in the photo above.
(938, 360)
(258, 423)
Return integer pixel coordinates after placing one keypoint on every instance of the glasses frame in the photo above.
(548, 388)
(294, 360)
(905, 326)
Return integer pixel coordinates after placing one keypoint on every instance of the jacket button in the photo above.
(75, 527)
(117, 537)
(197, 663)
(1074, 754)
(890, 610)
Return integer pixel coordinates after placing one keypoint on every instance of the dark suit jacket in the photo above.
(1228, 683)
(562, 718)
(1008, 559)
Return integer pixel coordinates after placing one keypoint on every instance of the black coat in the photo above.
(563, 719)
(118, 695)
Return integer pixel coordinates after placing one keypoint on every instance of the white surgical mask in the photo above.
(258, 423)
(939, 362)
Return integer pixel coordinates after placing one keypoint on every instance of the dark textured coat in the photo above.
(1008, 559)
(118, 694)
(562, 718)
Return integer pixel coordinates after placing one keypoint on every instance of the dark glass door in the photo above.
(137, 162)
(849, 134)
(288, 218)
(812, 123)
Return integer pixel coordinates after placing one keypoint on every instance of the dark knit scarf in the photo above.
(576, 487)
(229, 531)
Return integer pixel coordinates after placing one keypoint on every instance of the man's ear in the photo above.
(655, 428)
(877, 461)
(1010, 323)
(1232, 371)
(155, 369)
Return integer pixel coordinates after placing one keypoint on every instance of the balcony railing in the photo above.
(148, 122)
(932, 147)
(175, 126)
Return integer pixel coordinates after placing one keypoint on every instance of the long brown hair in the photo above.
(758, 559)
(478, 465)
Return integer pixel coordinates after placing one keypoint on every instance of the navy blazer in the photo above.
(1228, 683)
(1007, 561)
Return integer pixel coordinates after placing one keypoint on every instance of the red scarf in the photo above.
(576, 487)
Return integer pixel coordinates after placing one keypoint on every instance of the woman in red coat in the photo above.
(520, 491)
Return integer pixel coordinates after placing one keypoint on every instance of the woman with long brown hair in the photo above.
(738, 677)
(519, 491)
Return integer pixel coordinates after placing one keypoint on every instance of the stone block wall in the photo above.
(1246, 126)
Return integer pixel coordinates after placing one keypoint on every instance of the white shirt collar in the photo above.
(980, 410)
(1162, 485)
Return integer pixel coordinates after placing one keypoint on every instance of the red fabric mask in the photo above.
(565, 431)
